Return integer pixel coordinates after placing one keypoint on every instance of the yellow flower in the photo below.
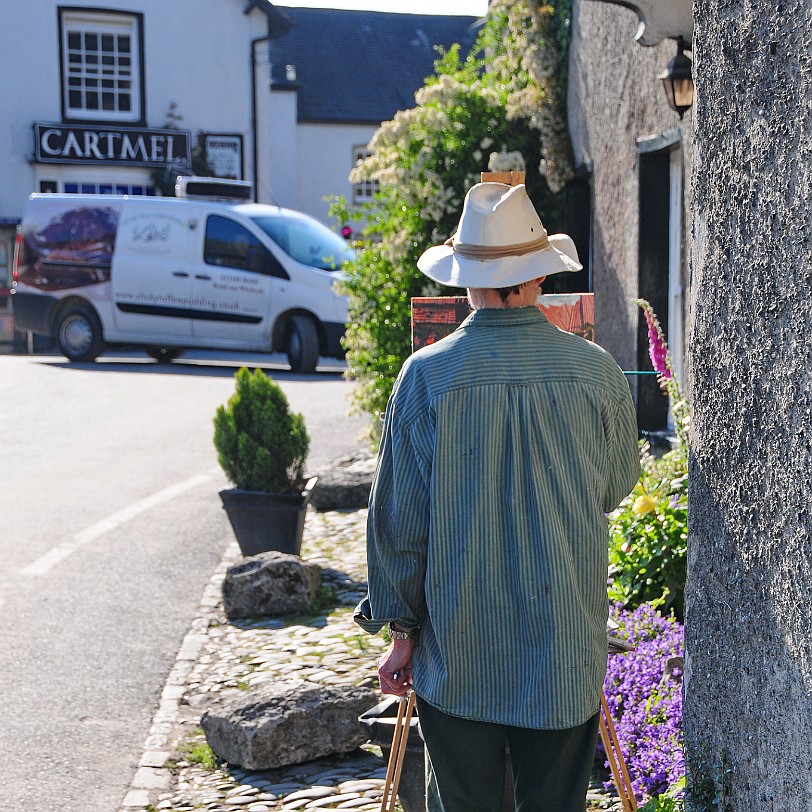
(642, 505)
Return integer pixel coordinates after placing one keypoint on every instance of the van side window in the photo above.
(306, 240)
(231, 245)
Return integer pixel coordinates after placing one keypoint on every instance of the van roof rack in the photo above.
(193, 187)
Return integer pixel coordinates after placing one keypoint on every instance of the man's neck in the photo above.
(489, 299)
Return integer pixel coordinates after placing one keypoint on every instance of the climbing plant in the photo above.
(503, 100)
(163, 178)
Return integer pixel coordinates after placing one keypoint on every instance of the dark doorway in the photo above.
(574, 217)
(652, 284)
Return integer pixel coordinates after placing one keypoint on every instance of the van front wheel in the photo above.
(302, 344)
(79, 333)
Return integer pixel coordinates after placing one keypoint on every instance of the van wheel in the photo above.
(302, 344)
(79, 333)
(163, 355)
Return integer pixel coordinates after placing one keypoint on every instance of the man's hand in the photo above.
(395, 668)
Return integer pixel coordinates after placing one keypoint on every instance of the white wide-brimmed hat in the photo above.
(500, 242)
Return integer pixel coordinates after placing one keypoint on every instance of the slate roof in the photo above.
(361, 66)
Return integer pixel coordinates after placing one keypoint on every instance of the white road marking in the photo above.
(59, 553)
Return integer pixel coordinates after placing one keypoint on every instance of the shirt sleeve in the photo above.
(397, 533)
(624, 452)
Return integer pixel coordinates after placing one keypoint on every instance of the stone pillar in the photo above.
(748, 687)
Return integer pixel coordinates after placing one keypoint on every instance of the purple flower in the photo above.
(645, 699)
(657, 349)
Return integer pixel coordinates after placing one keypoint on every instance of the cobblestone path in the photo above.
(221, 659)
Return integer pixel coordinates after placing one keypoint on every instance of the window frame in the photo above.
(102, 16)
(363, 192)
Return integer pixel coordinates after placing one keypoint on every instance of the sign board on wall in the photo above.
(224, 155)
(111, 146)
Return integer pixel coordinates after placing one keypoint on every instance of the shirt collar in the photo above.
(497, 317)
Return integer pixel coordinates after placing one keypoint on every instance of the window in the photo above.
(362, 192)
(71, 188)
(5, 276)
(306, 240)
(101, 66)
(231, 245)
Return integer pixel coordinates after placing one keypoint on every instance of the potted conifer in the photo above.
(262, 446)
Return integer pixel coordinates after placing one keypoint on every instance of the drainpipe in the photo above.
(254, 125)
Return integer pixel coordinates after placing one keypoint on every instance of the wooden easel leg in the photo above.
(614, 755)
(400, 739)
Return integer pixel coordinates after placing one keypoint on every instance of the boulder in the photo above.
(287, 722)
(345, 483)
(270, 584)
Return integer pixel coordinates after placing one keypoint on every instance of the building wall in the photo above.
(748, 675)
(280, 160)
(615, 100)
(325, 159)
(196, 54)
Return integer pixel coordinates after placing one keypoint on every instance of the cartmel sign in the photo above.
(119, 146)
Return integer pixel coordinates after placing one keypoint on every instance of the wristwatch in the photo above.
(398, 635)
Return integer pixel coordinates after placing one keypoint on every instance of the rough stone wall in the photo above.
(748, 700)
(615, 98)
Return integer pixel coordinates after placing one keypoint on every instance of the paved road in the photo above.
(110, 525)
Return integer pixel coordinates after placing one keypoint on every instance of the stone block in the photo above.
(269, 585)
(345, 484)
(287, 722)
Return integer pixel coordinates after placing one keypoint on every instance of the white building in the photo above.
(287, 98)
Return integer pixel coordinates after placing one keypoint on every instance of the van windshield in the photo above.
(306, 240)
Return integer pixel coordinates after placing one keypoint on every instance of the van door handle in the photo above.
(201, 276)
(181, 274)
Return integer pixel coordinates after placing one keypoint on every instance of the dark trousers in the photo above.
(551, 768)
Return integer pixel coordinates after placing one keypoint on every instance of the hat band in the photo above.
(486, 252)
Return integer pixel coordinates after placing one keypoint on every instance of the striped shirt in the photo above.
(504, 446)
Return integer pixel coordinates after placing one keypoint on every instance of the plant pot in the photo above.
(268, 521)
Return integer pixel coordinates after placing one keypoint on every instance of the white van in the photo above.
(171, 273)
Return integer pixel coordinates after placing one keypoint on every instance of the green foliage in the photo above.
(648, 535)
(199, 752)
(648, 545)
(504, 99)
(261, 445)
(671, 801)
(325, 601)
(560, 31)
(709, 781)
(164, 178)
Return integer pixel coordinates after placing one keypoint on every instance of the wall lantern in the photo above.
(678, 80)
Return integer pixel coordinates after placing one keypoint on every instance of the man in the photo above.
(504, 446)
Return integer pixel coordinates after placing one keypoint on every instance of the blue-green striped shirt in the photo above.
(504, 446)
